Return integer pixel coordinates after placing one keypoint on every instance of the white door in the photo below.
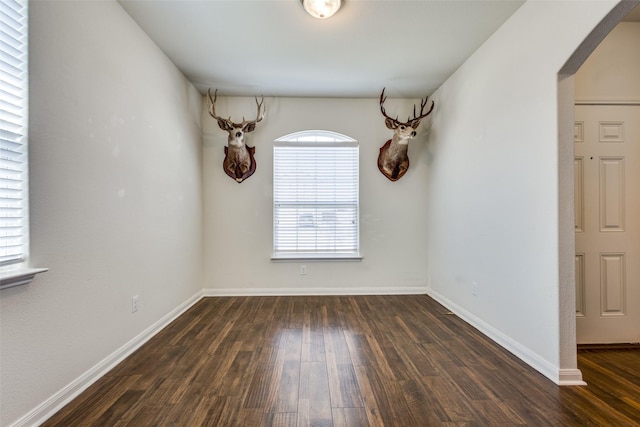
(607, 217)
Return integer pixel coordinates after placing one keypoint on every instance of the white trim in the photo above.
(49, 407)
(234, 292)
(606, 101)
(323, 137)
(523, 353)
(283, 257)
(570, 377)
(19, 277)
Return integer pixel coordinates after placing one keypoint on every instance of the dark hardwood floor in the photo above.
(344, 361)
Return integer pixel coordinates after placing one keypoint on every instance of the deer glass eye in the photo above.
(238, 134)
(402, 127)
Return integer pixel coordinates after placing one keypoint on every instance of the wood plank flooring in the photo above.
(344, 361)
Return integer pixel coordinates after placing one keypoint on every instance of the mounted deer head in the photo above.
(239, 162)
(393, 160)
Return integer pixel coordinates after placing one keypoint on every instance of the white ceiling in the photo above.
(274, 48)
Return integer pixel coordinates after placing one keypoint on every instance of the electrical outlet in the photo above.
(135, 303)
(475, 289)
(303, 270)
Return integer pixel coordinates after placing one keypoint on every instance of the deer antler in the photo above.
(384, 113)
(212, 107)
(212, 111)
(259, 115)
(422, 105)
(422, 115)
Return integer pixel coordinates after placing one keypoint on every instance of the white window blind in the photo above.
(315, 196)
(13, 126)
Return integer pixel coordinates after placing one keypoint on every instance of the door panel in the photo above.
(612, 197)
(580, 285)
(607, 218)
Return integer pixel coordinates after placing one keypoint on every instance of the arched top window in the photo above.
(315, 196)
(317, 137)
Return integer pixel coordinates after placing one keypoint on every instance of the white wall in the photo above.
(612, 72)
(115, 146)
(238, 217)
(117, 199)
(496, 206)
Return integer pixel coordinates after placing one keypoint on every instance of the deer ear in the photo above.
(414, 124)
(224, 125)
(249, 127)
(391, 124)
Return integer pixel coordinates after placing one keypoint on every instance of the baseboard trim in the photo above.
(558, 376)
(609, 346)
(570, 377)
(607, 101)
(230, 292)
(56, 402)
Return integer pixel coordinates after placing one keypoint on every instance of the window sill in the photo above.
(19, 277)
(315, 257)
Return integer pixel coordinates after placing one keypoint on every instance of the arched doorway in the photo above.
(607, 197)
(567, 264)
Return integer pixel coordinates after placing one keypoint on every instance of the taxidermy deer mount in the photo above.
(393, 160)
(239, 162)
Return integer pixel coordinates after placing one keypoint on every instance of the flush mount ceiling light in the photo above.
(321, 9)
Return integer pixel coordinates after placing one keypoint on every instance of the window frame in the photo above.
(14, 147)
(317, 139)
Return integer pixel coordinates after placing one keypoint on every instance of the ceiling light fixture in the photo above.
(321, 9)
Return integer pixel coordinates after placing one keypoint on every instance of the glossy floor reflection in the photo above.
(342, 361)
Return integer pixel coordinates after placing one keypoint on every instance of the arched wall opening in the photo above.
(566, 218)
(500, 182)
